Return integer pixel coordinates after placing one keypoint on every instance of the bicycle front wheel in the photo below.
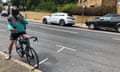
(32, 58)
(19, 48)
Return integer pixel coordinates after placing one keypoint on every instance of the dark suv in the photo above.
(106, 21)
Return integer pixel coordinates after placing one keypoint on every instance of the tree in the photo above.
(45, 5)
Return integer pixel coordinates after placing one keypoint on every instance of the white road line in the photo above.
(44, 60)
(70, 49)
(63, 47)
(98, 31)
(41, 62)
(116, 38)
(61, 30)
(2, 30)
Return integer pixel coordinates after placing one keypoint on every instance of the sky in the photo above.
(4, 0)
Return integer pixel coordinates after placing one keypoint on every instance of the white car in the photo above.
(59, 18)
(4, 13)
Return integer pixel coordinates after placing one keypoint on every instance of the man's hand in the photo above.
(13, 30)
(20, 18)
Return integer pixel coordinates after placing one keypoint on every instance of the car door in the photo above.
(114, 20)
(105, 21)
(56, 18)
(52, 18)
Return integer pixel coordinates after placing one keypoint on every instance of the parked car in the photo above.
(59, 18)
(106, 21)
(4, 13)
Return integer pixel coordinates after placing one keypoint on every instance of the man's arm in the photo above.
(11, 28)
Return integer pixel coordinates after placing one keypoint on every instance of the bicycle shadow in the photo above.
(47, 62)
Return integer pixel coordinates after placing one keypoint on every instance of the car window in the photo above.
(115, 16)
(69, 14)
(54, 14)
(107, 15)
(60, 15)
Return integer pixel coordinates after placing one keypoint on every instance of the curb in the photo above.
(22, 63)
(82, 25)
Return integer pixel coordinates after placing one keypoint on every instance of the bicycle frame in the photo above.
(29, 52)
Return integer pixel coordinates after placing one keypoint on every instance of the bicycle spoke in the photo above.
(32, 58)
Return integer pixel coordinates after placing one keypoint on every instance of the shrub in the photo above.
(66, 7)
(45, 6)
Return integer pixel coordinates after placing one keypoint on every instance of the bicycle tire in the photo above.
(19, 48)
(32, 58)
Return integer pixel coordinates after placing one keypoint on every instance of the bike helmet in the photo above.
(15, 11)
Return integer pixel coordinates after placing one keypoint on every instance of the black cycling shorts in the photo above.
(14, 36)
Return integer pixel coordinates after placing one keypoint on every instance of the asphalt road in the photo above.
(71, 49)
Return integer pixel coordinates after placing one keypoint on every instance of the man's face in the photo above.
(19, 17)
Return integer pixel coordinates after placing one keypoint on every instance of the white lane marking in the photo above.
(41, 62)
(98, 31)
(61, 30)
(44, 60)
(116, 38)
(63, 47)
(2, 30)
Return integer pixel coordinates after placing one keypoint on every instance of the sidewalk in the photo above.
(14, 65)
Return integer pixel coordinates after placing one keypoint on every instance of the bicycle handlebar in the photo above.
(34, 37)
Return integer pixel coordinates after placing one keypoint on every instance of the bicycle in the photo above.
(29, 53)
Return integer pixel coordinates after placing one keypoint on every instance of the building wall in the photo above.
(118, 8)
(89, 3)
(109, 3)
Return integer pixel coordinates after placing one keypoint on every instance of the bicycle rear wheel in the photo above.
(32, 58)
(19, 48)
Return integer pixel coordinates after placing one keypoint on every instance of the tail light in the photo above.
(70, 18)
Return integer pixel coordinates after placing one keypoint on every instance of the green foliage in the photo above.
(45, 5)
(66, 7)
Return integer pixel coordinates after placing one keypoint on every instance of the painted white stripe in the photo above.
(2, 30)
(41, 62)
(61, 30)
(70, 49)
(116, 38)
(63, 47)
(44, 60)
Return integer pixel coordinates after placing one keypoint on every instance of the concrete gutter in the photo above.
(32, 69)
(82, 25)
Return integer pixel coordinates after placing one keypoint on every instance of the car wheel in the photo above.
(91, 26)
(44, 21)
(118, 29)
(62, 22)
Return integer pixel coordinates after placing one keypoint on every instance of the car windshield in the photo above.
(110, 15)
(107, 15)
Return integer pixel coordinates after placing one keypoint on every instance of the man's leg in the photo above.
(25, 36)
(13, 37)
(10, 47)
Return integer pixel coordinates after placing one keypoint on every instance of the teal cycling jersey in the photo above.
(20, 26)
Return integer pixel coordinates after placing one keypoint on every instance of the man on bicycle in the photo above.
(17, 27)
